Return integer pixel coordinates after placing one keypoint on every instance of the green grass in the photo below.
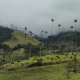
(46, 59)
(19, 38)
(51, 72)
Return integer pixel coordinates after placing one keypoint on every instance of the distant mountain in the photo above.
(66, 41)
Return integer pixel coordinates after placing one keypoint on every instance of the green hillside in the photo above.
(20, 70)
(19, 38)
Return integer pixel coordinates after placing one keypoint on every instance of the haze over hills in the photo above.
(40, 40)
(65, 39)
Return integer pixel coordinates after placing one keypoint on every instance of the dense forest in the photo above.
(5, 33)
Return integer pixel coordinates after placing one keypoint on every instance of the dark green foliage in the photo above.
(73, 66)
(66, 40)
(18, 61)
(5, 33)
(12, 62)
(39, 61)
(17, 47)
(6, 48)
(57, 57)
(51, 59)
(47, 57)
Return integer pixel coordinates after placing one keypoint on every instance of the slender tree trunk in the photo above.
(40, 51)
(30, 53)
(76, 37)
(51, 35)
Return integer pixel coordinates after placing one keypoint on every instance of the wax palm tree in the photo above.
(42, 35)
(25, 31)
(11, 26)
(16, 28)
(76, 33)
(46, 39)
(59, 33)
(51, 32)
(72, 38)
(29, 44)
(49, 37)
(40, 45)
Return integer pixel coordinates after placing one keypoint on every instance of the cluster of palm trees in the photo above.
(75, 33)
(46, 32)
(50, 36)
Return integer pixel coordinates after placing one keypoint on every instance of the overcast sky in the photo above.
(36, 15)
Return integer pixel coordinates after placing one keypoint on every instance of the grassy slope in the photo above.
(19, 38)
(54, 72)
(50, 72)
(46, 59)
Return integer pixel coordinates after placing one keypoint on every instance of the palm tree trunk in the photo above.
(40, 51)
(76, 37)
(30, 52)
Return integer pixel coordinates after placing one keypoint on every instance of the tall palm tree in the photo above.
(29, 49)
(11, 26)
(51, 32)
(72, 38)
(40, 45)
(16, 28)
(76, 33)
(46, 39)
(25, 31)
(42, 34)
(49, 37)
(59, 33)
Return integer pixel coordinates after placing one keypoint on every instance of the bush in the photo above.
(12, 62)
(47, 57)
(51, 59)
(39, 61)
(18, 61)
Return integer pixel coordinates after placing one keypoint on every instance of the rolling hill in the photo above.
(19, 38)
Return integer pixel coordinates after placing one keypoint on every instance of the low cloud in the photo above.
(36, 15)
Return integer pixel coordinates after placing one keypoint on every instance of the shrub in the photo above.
(47, 57)
(51, 59)
(39, 61)
(12, 62)
(18, 61)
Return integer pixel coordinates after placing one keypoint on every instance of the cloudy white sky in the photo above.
(36, 15)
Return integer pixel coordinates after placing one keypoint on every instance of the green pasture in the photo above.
(50, 72)
(19, 38)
